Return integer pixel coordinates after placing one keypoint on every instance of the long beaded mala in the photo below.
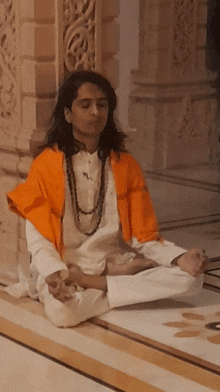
(77, 210)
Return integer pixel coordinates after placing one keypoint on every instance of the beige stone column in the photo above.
(172, 104)
(38, 46)
(29, 77)
(10, 124)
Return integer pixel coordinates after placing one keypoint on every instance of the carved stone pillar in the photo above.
(10, 119)
(10, 113)
(28, 80)
(172, 104)
(91, 36)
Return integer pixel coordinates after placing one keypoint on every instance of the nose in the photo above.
(95, 109)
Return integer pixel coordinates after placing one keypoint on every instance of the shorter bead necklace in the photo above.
(77, 210)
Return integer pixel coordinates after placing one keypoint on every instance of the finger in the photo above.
(63, 297)
(206, 263)
(200, 254)
(206, 259)
(64, 293)
(196, 252)
(50, 279)
(203, 255)
(54, 290)
(52, 283)
(199, 270)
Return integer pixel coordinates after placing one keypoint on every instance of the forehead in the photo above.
(90, 91)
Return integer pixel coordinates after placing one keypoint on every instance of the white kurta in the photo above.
(90, 253)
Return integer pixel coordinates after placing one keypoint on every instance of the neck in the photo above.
(91, 143)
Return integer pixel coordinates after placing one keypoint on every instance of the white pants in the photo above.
(146, 286)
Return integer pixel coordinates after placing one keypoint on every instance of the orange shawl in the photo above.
(41, 198)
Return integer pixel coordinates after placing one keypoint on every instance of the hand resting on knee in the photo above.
(59, 287)
(193, 262)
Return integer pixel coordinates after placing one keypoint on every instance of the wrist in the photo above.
(176, 259)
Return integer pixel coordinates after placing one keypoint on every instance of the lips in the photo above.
(95, 122)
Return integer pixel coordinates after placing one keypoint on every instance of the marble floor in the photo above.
(25, 370)
(159, 347)
(164, 347)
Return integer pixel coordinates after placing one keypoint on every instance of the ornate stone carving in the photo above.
(184, 34)
(79, 34)
(8, 62)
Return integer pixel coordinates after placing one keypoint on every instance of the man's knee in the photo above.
(60, 314)
(81, 307)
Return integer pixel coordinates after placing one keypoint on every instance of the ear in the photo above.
(68, 115)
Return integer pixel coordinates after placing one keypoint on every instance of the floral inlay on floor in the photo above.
(194, 324)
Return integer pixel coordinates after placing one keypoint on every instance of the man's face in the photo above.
(88, 113)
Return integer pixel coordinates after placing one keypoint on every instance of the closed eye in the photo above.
(85, 103)
(103, 103)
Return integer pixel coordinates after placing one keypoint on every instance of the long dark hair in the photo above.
(61, 133)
